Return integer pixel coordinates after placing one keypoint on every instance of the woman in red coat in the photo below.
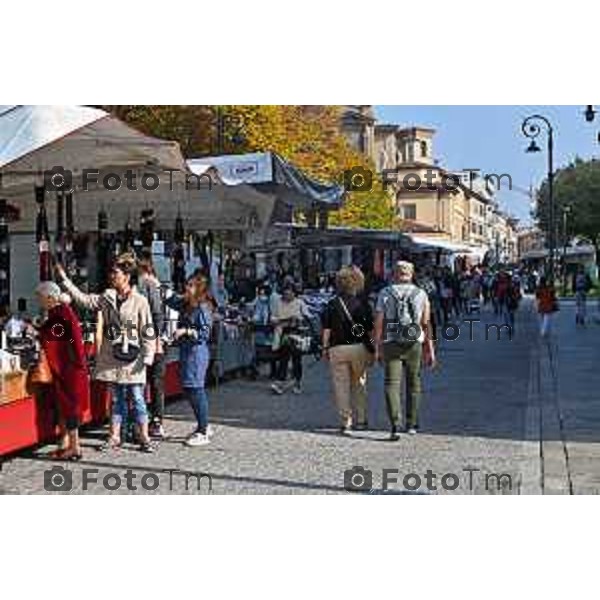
(62, 342)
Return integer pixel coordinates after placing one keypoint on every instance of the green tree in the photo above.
(578, 187)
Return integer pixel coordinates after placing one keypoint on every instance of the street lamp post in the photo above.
(590, 113)
(532, 128)
(565, 212)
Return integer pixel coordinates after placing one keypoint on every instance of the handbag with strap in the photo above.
(125, 350)
(302, 343)
(366, 341)
(41, 373)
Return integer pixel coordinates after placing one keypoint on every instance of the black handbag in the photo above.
(364, 338)
(126, 353)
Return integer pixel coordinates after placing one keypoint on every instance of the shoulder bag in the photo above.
(125, 350)
(366, 341)
(41, 373)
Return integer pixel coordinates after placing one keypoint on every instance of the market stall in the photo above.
(442, 252)
(279, 191)
(197, 210)
(282, 192)
(373, 250)
(35, 139)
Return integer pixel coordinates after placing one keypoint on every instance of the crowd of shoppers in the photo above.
(394, 326)
(130, 350)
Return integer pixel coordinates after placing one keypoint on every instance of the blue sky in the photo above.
(490, 138)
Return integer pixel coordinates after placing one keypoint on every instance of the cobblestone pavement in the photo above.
(570, 406)
(490, 409)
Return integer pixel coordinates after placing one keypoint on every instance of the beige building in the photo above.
(504, 238)
(530, 239)
(458, 207)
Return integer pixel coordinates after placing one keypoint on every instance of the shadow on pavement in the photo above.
(284, 483)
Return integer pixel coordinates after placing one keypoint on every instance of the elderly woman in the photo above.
(347, 325)
(127, 348)
(61, 340)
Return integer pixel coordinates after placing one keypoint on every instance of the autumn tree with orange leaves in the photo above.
(307, 136)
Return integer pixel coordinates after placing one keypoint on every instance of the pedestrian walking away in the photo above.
(547, 305)
(347, 323)
(402, 341)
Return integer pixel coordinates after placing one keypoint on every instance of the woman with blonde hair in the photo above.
(347, 327)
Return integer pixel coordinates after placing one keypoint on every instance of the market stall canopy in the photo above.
(37, 138)
(348, 236)
(34, 139)
(211, 206)
(425, 244)
(242, 201)
(271, 174)
(578, 250)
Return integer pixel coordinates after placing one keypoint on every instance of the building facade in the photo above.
(455, 206)
(530, 239)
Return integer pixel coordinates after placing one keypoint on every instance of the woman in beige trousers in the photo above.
(347, 327)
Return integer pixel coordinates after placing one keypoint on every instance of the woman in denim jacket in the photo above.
(192, 336)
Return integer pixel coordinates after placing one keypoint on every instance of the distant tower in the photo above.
(358, 125)
(416, 145)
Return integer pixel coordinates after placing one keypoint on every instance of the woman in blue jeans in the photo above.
(192, 334)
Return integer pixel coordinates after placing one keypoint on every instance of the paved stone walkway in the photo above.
(509, 416)
(571, 404)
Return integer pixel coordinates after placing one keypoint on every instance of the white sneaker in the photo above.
(297, 389)
(197, 439)
(277, 388)
(210, 431)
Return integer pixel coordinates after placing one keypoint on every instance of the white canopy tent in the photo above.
(34, 139)
(37, 138)
(426, 244)
(449, 249)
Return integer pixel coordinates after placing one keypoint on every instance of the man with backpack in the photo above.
(402, 340)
